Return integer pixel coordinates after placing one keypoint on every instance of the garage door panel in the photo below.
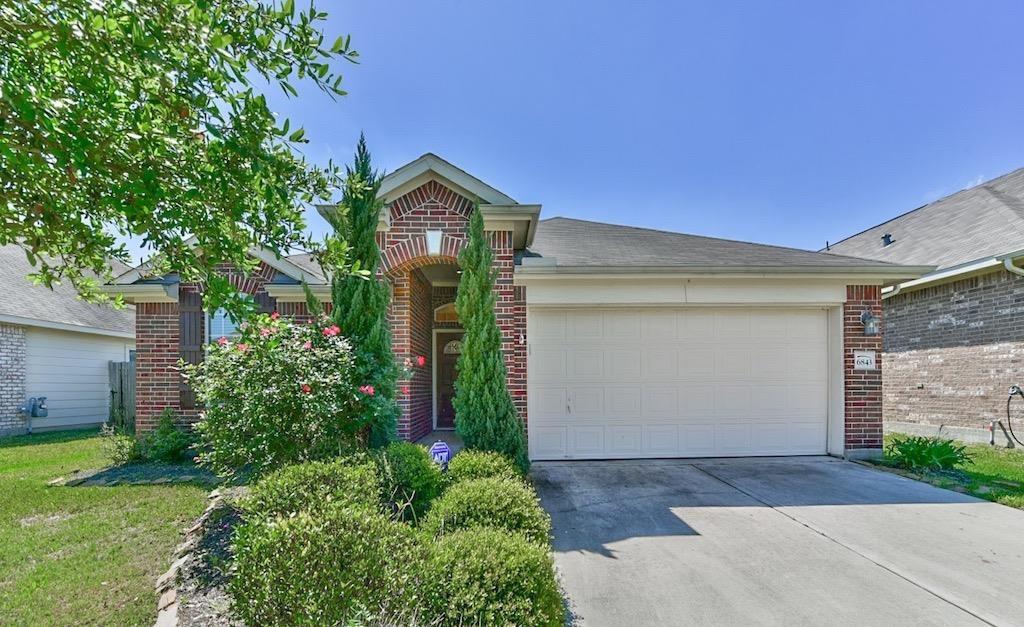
(623, 401)
(667, 382)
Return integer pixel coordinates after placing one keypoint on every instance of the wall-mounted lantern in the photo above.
(871, 323)
(433, 242)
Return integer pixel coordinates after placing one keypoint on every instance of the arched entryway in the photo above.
(424, 324)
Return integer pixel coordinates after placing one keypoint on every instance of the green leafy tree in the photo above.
(360, 299)
(485, 416)
(145, 119)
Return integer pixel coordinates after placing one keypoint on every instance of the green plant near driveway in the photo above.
(915, 452)
(83, 555)
(995, 474)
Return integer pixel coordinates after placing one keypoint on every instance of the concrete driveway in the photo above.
(777, 541)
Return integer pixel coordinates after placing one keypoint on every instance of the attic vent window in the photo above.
(887, 239)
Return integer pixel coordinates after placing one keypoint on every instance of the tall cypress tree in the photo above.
(360, 303)
(485, 417)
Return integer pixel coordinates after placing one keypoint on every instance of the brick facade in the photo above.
(12, 378)
(952, 350)
(863, 388)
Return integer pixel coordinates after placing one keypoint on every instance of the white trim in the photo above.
(295, 293)
(433, 374)
(957, 272)
(281, 264)
(835, 429)
(143, 292)
(878, 274)
(430, 162)
(63, 326)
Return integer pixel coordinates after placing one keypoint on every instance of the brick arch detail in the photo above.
(431, 193)
(411, 254)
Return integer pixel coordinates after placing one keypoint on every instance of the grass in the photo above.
(995, 474)
(82, 555)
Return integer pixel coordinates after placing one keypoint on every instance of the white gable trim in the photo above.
(421, 170)
(63, 326)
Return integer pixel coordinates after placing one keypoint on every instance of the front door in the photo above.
(447, 347)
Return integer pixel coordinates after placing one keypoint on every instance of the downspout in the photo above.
(1008, 264)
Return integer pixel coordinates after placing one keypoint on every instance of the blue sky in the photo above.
(780, 122)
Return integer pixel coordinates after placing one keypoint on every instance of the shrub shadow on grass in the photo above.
(47, 437)
(144, 474)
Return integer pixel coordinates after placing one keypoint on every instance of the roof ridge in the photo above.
(985, 185)
(718, 239)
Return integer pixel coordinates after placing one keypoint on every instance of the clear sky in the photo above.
(779, 122)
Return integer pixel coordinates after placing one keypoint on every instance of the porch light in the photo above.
(434, 242)
(870, 322)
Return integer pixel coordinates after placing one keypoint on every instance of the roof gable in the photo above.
(431, 167)
(983, 221)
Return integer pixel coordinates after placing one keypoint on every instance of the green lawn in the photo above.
(82, 555)
(996, 474)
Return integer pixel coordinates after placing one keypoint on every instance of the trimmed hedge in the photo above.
(410, 479)
(325, 568)
(489, 577)
(467, 465)
(314, 486)
(507, 504)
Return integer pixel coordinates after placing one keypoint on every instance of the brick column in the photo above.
(12, 378)
(863, 388)
(157, 380)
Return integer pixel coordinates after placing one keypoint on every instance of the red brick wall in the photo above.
(863, 393)
(156, 362)
(435, 207)
(157, 335)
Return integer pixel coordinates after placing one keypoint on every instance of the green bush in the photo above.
(168, 442)
(489, 577)
(314, 487)
(924, 453)
(507, 504)
(410, 479)
(119, 446)
(279, 394)
(323, 569)
(469, 464)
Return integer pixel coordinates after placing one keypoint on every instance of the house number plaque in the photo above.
(864, 360)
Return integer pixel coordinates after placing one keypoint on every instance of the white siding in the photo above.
(70, 370)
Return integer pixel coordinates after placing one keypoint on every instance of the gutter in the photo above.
(539, 269)
(962, 270)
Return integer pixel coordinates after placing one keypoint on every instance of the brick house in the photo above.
(620, 342)
(954, 339)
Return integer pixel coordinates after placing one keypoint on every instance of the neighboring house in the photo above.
(954, 338)
(55, 345)
(620, 342)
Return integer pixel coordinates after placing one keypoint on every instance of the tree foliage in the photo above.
(485, 416)
(145, 119)
(360, 300)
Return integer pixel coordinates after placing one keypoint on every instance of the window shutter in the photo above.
(265, 302)
(190, 339)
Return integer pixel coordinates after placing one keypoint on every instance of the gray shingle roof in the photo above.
(23, 299)
(580, 243)
(975, 223)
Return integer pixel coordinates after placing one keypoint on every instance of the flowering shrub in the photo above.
(280, 393)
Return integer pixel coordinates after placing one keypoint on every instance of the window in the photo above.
(219, 324)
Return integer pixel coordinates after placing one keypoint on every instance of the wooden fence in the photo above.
(122, 394)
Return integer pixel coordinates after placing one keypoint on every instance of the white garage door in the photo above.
(679, 382)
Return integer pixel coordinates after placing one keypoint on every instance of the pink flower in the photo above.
(405, 389)
(266, 332)
(223, 341)
(242, 347)
(421, 361)
(408, 363)
(332, 330)
(366, 389)
(308, 345)
(275, 316)
(306, 389)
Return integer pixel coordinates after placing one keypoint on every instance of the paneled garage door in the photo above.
(680, 382)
